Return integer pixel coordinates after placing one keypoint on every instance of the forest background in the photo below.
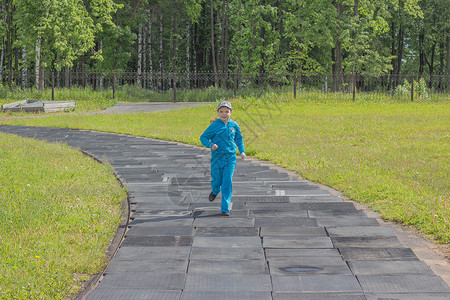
(74, 39)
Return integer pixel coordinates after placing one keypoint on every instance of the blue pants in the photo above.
(222, 169)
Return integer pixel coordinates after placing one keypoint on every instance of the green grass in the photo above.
(59, 211)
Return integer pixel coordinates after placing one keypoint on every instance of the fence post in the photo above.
(53, 85)
(235, 85)
(295, 85)
(354, 85)
(412, 88)
(174, 86)
(114, 85)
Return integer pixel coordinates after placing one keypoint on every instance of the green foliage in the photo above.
(420, 89)
(62, 211)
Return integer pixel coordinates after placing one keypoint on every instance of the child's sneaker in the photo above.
(212, 197)
(226, 214)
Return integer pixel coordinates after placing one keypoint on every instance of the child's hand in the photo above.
(243, 156)
(214, 147)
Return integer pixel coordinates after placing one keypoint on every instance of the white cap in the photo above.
(224, 103)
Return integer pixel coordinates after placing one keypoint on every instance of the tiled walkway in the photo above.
(286, 238)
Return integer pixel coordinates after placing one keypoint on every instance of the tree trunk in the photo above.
(188, 52)
(339, 75)
(448, 60)
(161, 70)
(149, 49)
(67, 77)
(2, 54)
(226, 36)
(8, 42)
(431, 65)
(393, 61)
(24, 69)
(213, 51)
(421, 53)
(401, 42)
(139, 58)
(222, 39)
(38, 62)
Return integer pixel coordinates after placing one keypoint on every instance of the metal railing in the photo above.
(172, 86)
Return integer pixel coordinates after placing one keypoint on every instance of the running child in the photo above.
(222, 136)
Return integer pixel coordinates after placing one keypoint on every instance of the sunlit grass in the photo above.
(59, 210)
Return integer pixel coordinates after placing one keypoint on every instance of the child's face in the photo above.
(224, 113)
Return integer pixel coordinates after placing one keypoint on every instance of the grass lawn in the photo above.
(58, 213)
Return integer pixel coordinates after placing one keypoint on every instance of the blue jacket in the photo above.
(225, 136)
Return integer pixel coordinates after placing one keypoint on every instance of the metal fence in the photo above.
(171, 86)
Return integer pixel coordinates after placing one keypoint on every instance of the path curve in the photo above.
(286, 239)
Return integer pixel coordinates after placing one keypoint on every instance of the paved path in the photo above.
(286, 239)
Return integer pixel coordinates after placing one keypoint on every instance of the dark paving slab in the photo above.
(378, 254)
(152, 253)
(160, 231)
(173, 241)
(284, 222)
(316, 283)
(299, 254)
(226, 231)
(317, 296)
(286, 239)
(369, 242)
(408, 296)
(293, 231)
(403, 284)
(149, 280)
(309, 265)
(240, 267)
(227, 242)
(143, 265)
(101, 293)
(226, 283)
(389, 267)
(225, 295)
(304, 242)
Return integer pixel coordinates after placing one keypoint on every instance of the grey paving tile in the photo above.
(314, 199)
(173, 241)
(272, 206)
(163, 222)
(402, 284)
(408, 296)
(150, 280)
(227, 242)
(222, 221)
(214, 213)
(261, 199)
(296, 254)
(241, 267)
(132, 294)
(360, 231)
(346, 221)
(274, 213)
(389, 267)
(228, 253)
(303, 242)
(233, 282)
(336, 213)
(160, 231)
(227, 231)
(157, 267)
(316, 283)
(284, 222)
(309, 265)
(293, 231)
(317, 296)
(393, 254)
(152, 253)
(370, 242)
(332, 205)
(225, 295)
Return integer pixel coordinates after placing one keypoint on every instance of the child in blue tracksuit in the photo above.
(222, 136)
